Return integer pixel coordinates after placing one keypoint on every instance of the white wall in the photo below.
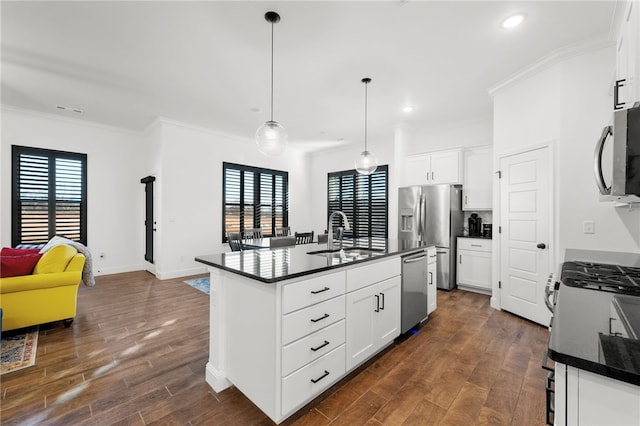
(460, 134)
(567, 104)
(190, 191)
(115, 164)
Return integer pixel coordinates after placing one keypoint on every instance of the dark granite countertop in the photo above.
(580, 336)
(273, 265)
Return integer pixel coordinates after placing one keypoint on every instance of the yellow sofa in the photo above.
(48, 295)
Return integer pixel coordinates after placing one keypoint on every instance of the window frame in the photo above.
(256, 196)
(353, 216)
(51, 155)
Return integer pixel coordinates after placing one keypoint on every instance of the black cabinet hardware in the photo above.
(382, 306)
(616, 97)
(326, 342)
(611, 332)
(326, 373)
(320, 291)
(377, 309)
(321, 318)
(430, 277)
(541, 246)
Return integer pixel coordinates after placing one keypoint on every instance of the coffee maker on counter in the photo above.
(475, 225)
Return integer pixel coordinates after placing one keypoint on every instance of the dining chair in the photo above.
(252, 233)
(283, 231)
(323, 238)
(287, 241)
(235, 241)
(304, 237)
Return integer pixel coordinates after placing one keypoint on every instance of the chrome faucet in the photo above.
(330, 227)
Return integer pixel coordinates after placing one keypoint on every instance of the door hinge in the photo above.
(499, 174)
(499, 284)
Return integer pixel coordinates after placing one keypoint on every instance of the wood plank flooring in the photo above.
(136, 355)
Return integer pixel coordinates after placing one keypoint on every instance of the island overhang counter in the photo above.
(286, 324)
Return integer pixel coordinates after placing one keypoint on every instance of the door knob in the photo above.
(541, 246)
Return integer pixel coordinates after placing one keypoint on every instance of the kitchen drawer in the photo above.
(372, 273)
(305, 293)
(305, 321)
(310, 381)
(477, 244)
(312, 347)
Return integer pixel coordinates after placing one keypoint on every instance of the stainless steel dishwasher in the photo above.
(414, 290)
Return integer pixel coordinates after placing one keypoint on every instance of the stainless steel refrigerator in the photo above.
(433, 214)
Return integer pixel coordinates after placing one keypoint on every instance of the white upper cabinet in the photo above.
(434, 168)
(627, 89)
(477, 189)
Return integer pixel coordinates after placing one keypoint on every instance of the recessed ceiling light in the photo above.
(408, 108)
(513, 20)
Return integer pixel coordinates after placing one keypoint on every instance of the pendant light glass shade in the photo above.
(271, 137)
(367, 163)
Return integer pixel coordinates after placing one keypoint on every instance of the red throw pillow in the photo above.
(8, 251)
(13, 266)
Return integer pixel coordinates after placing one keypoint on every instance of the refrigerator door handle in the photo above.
(420, 217)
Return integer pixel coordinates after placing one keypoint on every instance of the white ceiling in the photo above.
(208, 63)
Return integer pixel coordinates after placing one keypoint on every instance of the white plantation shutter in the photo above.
(364, 200)
(254, 197)
(49, 195)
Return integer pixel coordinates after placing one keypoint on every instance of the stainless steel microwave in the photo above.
(617, 166)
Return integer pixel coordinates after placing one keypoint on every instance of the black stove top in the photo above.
(602, 277)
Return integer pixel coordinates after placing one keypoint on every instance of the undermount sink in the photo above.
(349, 252)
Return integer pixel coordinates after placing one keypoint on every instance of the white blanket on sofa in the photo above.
(87, 271)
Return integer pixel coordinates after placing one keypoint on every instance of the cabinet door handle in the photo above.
(326, 373)
(431, 278)
(432, 178)
(382, 307)
(377, 309)
(611, 332)
(465, 200)
(321, 318)
(460, 259)
(326, 342)
(320, 291)
(616, 97)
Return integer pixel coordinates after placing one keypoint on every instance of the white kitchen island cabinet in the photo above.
(286, 325)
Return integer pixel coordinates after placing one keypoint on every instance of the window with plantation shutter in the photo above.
(254, 197)
(49, 195)
(363, 199)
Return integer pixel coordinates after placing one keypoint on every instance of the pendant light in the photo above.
(367, 163)
(271, 137)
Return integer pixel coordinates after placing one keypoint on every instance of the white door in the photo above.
(525, 218)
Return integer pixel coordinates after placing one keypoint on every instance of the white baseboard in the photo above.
(181, 273)
(216, 379)
(116, 269)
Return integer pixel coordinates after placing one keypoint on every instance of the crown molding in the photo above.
(69, 120)
(550, 60)
(158, 121)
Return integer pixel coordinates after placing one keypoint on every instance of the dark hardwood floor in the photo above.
(137, 350)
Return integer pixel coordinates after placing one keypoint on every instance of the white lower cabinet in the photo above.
(311, 380)
(585, 398)
(432, 280)
(373, 319)
(474, 264)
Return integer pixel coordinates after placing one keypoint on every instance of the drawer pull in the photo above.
(326, 373)
(321, 318)
(326, 342)
(320, 291)
(476, 245)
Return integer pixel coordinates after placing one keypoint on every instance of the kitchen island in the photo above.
(286, 324)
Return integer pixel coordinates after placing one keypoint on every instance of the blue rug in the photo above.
(201, 284)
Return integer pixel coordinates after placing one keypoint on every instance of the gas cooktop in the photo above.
(602, 277)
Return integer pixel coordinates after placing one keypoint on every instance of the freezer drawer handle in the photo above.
(414, 259)
(326, 373)
(326, 342)
(320, 291)
(321, 318)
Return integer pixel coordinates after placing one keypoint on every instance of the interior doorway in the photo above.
(149, 221)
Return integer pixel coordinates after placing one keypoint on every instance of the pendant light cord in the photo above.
(272, 71)
(365, 116)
